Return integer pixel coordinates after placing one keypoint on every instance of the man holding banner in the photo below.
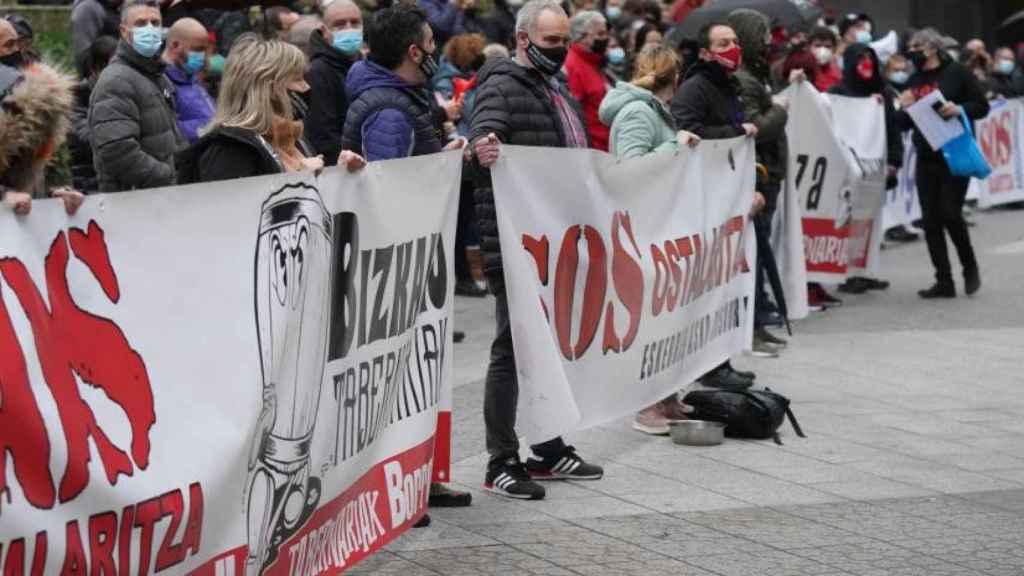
(941, 193)
(521, 102)
(708, 105)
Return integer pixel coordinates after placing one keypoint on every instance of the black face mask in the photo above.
(428, 65)
(14, 60)
(918, 58)
(599, 46)
(547, 60)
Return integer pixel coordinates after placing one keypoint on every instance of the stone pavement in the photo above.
(914, 461)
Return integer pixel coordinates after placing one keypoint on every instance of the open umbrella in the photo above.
(1011, 30)
(781, 12)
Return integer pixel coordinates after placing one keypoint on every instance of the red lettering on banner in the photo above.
(109, 539)
(994, 136)
(593, 290)
(628, 279)
(69, 342)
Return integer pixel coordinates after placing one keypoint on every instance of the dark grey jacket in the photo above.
(133, 124)
(91, 19)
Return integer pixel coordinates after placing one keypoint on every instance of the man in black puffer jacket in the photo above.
(521, 102)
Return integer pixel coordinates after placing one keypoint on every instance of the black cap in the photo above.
(851, 20)
(21, 26)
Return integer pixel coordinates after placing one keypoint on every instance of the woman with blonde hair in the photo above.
(641, 124)
(254, 131)
(637, 111)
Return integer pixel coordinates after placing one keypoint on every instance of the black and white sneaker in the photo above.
(564, 466)
(510, 478)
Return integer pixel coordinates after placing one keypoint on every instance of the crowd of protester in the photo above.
(170, 95)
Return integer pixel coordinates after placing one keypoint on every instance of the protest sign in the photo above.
(231, 378)
(625, 281)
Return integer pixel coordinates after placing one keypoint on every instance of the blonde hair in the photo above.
(655, 68)
(254, 88)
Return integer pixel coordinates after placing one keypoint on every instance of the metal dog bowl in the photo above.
(697, 432)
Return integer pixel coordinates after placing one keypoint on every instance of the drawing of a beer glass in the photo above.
(292, 285)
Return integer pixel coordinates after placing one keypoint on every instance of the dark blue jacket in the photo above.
(193, 103)
(446, 20)
(389, 118)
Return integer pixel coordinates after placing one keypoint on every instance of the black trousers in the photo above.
(501, 391)
(942, 201)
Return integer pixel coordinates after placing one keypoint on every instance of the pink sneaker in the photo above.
(652, 420)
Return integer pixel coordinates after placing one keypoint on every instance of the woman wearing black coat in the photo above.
(255, 131)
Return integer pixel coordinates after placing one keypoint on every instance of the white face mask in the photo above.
(823, 55)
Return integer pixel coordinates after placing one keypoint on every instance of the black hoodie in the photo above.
(854, 86)
(328, 100)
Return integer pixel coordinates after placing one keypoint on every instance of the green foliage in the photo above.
(55, 48)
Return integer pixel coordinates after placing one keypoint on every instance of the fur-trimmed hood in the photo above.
(35, 113)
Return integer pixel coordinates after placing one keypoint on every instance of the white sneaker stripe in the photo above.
(573, 466)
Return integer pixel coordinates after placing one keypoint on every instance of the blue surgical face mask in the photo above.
(194, 62)
(613, 12)
(1005, 66)
(863, 37)
(616, 56)
(348, 42)
(146, 40)
(899, 77)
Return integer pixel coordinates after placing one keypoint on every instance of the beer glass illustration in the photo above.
(292, 287)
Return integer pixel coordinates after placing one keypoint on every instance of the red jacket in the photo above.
(588, 85)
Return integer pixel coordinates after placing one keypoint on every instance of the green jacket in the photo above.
(640, 123)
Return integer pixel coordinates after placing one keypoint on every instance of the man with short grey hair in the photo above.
(134, 127)
(584, 69)
(521, 102)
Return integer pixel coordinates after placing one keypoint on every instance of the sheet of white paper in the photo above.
(886, 46)
(936, 130)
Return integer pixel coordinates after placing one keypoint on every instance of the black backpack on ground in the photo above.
(747, 414)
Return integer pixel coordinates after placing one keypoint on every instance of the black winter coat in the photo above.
(226, 154)
(328, 100)
(958, 85)
(512, 102)
(83, 173)
(708, 103)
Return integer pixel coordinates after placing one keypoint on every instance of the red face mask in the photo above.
(730, 60)
(866, 69)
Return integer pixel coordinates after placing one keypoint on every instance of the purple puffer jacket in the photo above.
(194, 106)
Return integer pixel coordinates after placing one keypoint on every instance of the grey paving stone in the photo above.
(496, 560)
(385, 563)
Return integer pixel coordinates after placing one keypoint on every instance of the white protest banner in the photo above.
(902, 206)
(626, 281)
(231, 378)
(860, 125)
(788, 247)
(821, 172)
(1001, 135)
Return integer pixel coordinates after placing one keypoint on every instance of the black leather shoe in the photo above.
(972, 281)
(745, 374)
(854, 285)
(938, 291)
(726, 379)
(876, 284)
(422, 522)
(442, 496)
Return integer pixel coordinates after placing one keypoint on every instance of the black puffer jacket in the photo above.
(512, 102)
(134, 127)
(328, 100)
(708, 104)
